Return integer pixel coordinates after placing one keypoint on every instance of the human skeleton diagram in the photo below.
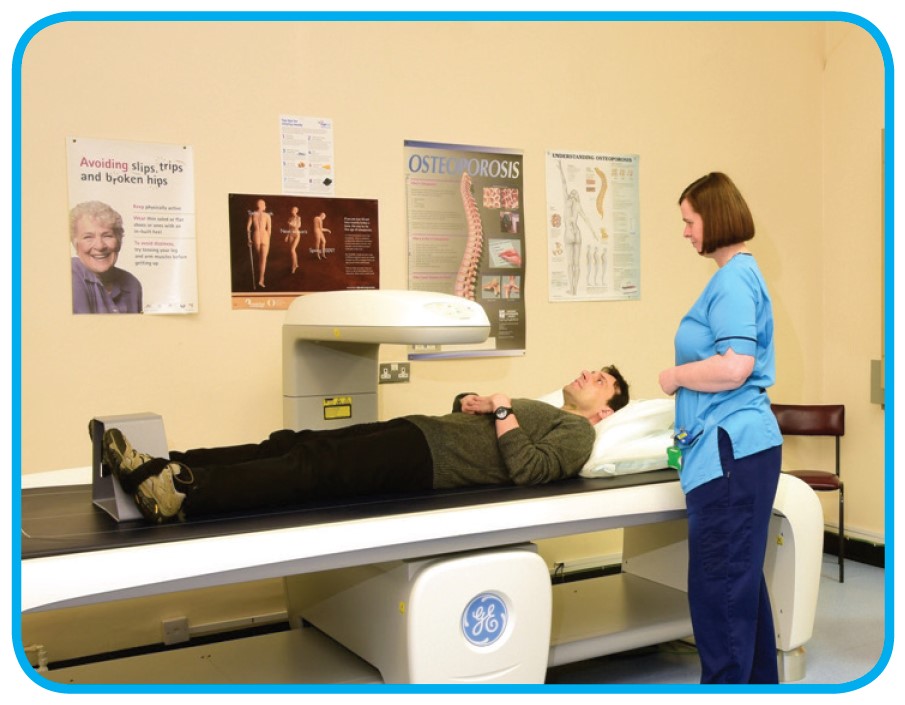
(596, 257)
(258, 228)
(320, 236)
(294, 236)
(572, 213)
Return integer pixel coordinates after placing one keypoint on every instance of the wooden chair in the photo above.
(818, 420)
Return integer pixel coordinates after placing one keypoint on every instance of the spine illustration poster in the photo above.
(466, 237)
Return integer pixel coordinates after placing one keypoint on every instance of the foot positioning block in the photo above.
(146, 431)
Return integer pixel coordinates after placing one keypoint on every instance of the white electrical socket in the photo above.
(394, 372)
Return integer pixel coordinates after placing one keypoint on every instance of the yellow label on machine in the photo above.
(337, 408)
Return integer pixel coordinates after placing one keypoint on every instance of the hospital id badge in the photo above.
(674, 453)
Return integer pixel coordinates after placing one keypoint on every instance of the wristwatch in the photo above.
(501, 412)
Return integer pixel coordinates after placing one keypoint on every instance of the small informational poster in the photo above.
(131, 227)
(284, 246)
(306, 152)
(593, 227)
(466, 237)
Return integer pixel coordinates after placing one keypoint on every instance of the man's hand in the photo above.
(475, 404)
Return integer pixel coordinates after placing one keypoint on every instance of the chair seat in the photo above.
(818, 480)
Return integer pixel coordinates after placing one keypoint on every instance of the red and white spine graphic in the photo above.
(474, 245)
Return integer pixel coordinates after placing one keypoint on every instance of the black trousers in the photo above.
(294, 467)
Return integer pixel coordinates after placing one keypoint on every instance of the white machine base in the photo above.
(488, 613)
(587, 623)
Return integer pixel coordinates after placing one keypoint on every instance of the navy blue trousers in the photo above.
(296, 467)
(728, 525)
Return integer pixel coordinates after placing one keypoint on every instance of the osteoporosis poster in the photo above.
(466, 236)
(132, 227)
(593, 230)
(284, 246)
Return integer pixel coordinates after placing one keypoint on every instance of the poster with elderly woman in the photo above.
(131, 227)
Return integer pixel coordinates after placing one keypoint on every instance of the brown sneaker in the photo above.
(148, 479)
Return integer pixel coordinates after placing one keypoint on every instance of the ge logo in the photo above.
(484, 620)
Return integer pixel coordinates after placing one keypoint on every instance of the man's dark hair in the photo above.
(620, 396)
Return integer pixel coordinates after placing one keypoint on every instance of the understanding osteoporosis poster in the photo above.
(132, 227)
(593, 227)
(284, 246)
(466, 236)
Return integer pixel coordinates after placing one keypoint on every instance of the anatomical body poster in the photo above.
(593, 228)
(284, 246)
(466, 237)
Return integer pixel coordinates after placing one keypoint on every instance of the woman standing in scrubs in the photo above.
(729, 439)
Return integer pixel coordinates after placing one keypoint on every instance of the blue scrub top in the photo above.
(734, 311)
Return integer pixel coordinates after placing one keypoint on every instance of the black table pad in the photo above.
(63, 520)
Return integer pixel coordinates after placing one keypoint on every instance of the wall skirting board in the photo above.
(867, 552)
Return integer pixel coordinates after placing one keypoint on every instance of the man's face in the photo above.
(96, 244)
(590, 391)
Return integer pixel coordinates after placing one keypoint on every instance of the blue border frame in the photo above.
(376, 16)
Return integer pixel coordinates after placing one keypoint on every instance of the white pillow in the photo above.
(631, 440)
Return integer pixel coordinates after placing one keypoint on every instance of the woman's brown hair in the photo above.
(727, 219)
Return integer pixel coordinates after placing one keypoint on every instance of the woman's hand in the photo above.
(668, 381)
(718, 373)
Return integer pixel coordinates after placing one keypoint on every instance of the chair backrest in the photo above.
(810, 419)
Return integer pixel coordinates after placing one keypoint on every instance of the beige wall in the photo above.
(793, 111)
(851, 262)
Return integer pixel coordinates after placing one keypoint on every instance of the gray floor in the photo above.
(848, 639)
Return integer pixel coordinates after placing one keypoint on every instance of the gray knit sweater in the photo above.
(549, 444)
